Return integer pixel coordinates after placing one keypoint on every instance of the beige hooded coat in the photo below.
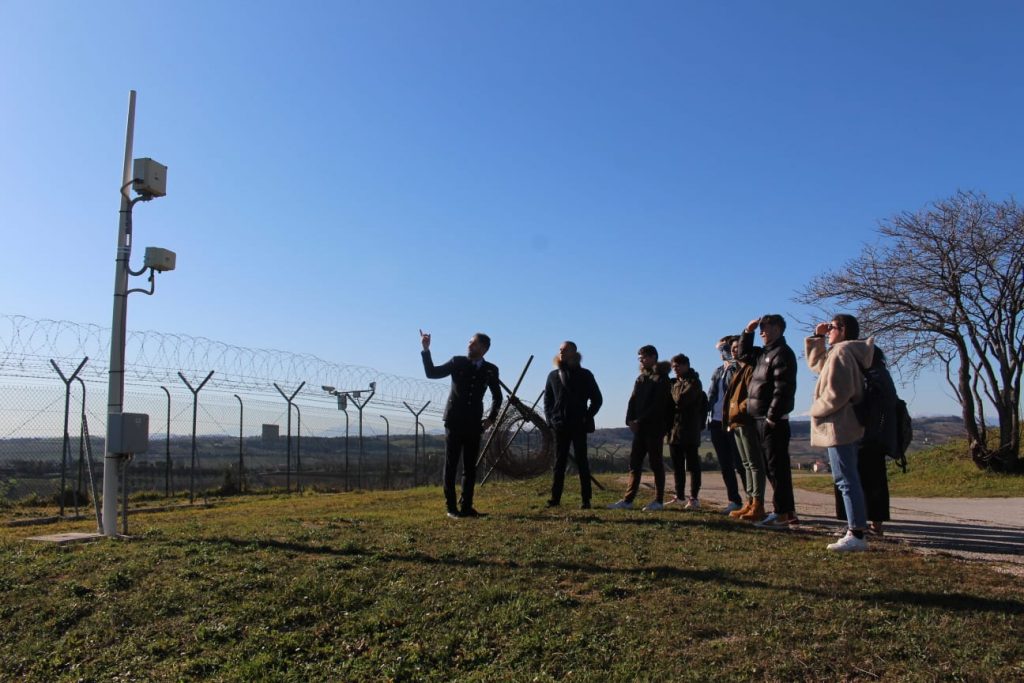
(840, 385)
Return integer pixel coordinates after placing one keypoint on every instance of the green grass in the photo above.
(939, 471)
(382, 586)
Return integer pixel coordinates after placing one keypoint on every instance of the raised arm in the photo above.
(432, 371)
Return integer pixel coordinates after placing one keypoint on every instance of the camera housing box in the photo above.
(149, 178)
(128, 433)
(159, 259)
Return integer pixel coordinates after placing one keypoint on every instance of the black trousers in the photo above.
(775, 446)
(728, 461)
(874, 480)
(577, 440)
(460, 444)
(685, 458)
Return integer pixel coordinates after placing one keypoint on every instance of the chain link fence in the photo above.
(238, 433)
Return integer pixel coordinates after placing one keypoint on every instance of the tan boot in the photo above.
(736, 514)
(756, 512)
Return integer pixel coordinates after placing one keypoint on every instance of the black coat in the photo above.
(651, 402)
(772, 389)
(688, 416)
(571, 404)
(465, 408)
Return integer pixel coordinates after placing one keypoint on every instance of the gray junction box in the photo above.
(128, 433)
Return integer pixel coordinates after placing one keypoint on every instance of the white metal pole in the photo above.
(118, 332)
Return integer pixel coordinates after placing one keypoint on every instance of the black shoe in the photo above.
(453, 513)
(585, 505)
(470, 512)
(552, 504)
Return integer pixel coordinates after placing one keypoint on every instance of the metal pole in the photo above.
(167, 447)
(416, 439)
(64, 442)
(195, 415)
(81, 445)
(298, 451)
(387, 456)
(67, 439)
(359, 407)
(422, 431)
(345, 410)
(241, 463)
(288, 399)
(118, 331)
(504, 409)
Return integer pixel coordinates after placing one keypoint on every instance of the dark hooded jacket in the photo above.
(772, 387)
(688, 416)
(651, 402)
(571, 398)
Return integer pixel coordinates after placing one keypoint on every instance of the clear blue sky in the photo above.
(344, 173)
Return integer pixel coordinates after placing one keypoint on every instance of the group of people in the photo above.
(746, 410)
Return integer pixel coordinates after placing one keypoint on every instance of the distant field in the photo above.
(381, 586)
(940, 471)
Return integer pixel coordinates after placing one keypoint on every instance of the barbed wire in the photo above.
(153, 358)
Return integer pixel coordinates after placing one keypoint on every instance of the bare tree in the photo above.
(945, 286)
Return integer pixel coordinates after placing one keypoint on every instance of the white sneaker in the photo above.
(731, 507)
(621, 505)
(692, 504)
(653, 506)
(848, 544)
(840, 533)
(770, 519)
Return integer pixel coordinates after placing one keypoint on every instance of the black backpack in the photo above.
(883, 414)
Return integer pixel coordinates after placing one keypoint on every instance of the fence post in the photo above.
(195, 411)
(66, 442)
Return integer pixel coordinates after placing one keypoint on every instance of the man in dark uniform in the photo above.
(471, 377)
(571, 400)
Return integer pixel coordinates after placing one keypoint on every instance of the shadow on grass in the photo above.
(955, 537)
(960, 602)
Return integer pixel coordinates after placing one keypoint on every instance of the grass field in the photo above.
(382, 586)
(940, 471)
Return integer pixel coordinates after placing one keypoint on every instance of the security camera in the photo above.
(373, 386)
(327, 387)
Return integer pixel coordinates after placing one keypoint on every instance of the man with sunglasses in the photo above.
(770, 399)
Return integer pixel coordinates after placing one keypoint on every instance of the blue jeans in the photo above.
(843, 460)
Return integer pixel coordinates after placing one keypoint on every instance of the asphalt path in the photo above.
(989, 530)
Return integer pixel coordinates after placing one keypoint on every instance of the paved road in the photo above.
(981, 529)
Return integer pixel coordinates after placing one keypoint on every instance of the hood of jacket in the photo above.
(557, 362)
(861, 349)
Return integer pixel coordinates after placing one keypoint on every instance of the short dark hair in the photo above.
(572, 344)
(681, 359)
(851, 327)
(773, 319)
(647, 350)
(483, 339)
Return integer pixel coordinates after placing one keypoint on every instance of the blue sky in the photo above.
(342, 174)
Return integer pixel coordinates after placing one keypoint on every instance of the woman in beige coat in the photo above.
(834, 424)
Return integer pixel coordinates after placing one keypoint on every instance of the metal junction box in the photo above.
(149, 177)
(128, 433)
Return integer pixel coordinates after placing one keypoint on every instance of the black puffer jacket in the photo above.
(651, 403)
(772, 388)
